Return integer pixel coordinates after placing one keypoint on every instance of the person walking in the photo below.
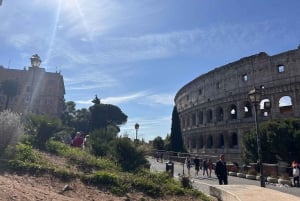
(197, 166)
(188, 165)
(78, 140)
(209, 166)
(296, 176)
(205, 167)
(221, 170)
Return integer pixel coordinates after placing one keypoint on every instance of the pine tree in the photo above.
(176, 136)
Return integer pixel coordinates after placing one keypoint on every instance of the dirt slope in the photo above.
(25, 187)
(46, 188)
(28, 188)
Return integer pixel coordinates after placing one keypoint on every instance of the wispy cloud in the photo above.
(123, 99)
(117, 100)
(142, 97)
(162, 99)
(90, 80)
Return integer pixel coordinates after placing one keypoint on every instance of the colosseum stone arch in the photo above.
(215, 111)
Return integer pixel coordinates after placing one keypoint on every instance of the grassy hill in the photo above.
(66, 173)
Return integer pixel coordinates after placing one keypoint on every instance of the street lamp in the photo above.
(136, 127)
(255, 98)
(35, 61)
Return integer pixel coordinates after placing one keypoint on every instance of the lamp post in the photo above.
(255, 98)
(136, 127)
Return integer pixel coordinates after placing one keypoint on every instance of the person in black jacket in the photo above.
(221, 170)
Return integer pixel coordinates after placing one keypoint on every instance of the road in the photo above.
(202, 182)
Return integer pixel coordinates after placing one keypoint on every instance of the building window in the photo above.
(280, 68)
(233, 112)
(209, 142)
(245, 77)
(27, 99)
(200, 117)
(194, 119)
(200, 91)
(285, 104)
(234, 140)
(218, 85)
(247, 110)
(220, 114)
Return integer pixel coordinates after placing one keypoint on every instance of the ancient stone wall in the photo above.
(215, 110)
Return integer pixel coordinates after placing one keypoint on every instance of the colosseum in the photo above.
(215, 110)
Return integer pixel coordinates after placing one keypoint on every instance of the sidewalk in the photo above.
(232, 192)
(249, 193)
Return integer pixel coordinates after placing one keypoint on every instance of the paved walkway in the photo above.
(239, 189)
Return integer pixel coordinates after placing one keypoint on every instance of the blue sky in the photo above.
(137, 54)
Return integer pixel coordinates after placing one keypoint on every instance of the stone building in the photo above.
(215, 110)
(38, 91)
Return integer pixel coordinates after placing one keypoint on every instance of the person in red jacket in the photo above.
(78, 140)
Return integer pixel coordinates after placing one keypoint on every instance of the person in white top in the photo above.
(296, 176)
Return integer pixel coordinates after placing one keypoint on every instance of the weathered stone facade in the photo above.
(38, 92)
(215, 111)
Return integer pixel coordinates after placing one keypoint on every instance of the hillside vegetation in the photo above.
(66, 173)
(38, 164)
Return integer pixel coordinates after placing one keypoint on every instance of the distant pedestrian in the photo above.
(221, 170)
(197, 165)
(296, 176)
(188, 165)
(210, 166)
(257, 166)
(157, 156)
(205, 167)
(78, 140)
(86, 142)
(161, 157)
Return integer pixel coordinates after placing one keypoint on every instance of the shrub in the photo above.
(186, 182)
(63, 174)
(11, 129)
(25, 153)
(252, 171)
(127, 156)
(57, 148)
(285, 176)
(102, 178)
(147, 186)
(41, 128)
(79, 156)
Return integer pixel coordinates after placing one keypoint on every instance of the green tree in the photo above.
(10, 89)
(103, 115)
(69, 114)
(176, 143)
(167, 142)
(280, 140)
(41, 128)
(158, 143)
(81, 121)
(101, 140)
(76, 119)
